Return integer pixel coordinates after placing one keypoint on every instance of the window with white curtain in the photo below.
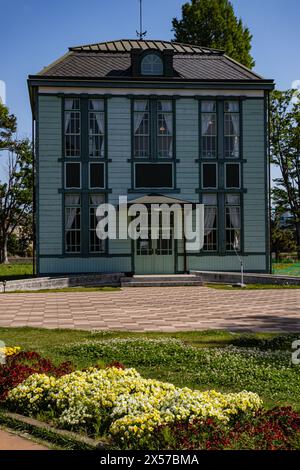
(165, 128)
(96, 245)
(96, 128)
(72, 127)
(208, 129)
(210, 222)
(72, 223)
(233, 222)
(141, 123)
(232, 129)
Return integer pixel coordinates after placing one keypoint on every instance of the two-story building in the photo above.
(157, 121)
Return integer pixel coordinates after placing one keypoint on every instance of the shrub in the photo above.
(266, 430)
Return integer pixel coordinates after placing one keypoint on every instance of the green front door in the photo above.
(155, 256)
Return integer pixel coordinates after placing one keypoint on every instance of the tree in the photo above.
(212, 23)
(285, 154)
(8, 126)
(16, 188)
(282, 239)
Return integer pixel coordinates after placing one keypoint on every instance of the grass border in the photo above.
(65, 439)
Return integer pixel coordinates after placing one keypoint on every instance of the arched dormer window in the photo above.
(152, 64)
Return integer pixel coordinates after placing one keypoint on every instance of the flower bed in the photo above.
(21, 365)
(123, 404)
(9, 351)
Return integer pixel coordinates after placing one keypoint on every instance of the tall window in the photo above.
(96, 128)
(233, 222)
(232, 129)
(208, 129)
(96, 245)
(72, 127)
(165, 129)
(141, 129)
(152, 64)
(72, 223)
(210, 222)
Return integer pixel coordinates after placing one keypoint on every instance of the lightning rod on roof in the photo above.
(140, 34)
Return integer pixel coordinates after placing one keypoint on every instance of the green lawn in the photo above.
(15, 271)
(287, 269)
(250, 286)
(203, 360)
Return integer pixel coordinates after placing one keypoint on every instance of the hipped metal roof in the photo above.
(111, 61)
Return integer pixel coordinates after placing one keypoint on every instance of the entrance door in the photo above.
(155, 256)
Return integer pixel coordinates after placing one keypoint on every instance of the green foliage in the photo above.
(285, 154)
(201, 359)
(265, 370)
(213, 23)
(16, 188)
(8, 126)
(282, 239)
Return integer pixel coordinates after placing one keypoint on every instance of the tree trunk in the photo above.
(298, 238)
(3, 252)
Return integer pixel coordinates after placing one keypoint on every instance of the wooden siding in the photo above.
(85, 265)
(225, 263)
(254, 176)
(119, 151)
(187, 143)
(49, 178)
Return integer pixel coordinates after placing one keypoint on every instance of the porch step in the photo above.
(160, 280)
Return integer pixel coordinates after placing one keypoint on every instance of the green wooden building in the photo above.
(153, 120)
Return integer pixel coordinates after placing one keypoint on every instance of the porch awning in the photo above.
(158, 199)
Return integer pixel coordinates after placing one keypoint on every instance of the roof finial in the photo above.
(140, 34)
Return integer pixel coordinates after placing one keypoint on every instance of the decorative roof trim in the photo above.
(126, 45)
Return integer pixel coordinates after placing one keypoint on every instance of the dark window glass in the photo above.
(153, 175)
(232, 175)
(209, 175)
(72, 175)
(96, 175)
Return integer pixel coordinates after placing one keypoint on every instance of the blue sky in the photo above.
(33, 33)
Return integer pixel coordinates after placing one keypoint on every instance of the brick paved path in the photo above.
(156, 309)
(10, 441)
